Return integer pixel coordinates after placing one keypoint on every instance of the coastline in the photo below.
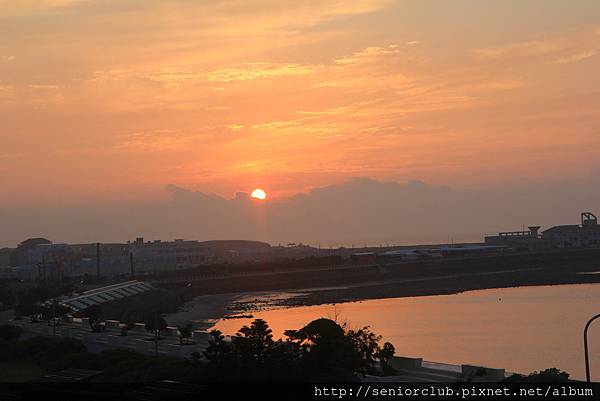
(206, 310)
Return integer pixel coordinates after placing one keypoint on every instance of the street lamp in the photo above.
(585, 346)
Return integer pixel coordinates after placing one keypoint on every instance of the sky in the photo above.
(108, 105)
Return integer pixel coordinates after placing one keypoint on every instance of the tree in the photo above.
(326, 351)
(128, 326)
(33, 311)
(185, 332)
(385, 356)
(222, 358)
(322, 350)
(54, 310)
(551, 375)
(366, 343)
(155, 324)
(93, 313)
(196, 357)
(254, 342)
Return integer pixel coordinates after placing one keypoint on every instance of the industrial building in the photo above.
(529, 239)
(584, 235)
(167, 255)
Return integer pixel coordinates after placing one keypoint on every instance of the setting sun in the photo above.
(259, 194)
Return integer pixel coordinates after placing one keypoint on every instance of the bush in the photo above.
(47, 350)
(9, 332)
(551, 375)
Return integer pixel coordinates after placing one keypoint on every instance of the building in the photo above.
(22, 254)
(529, 239)
(584, 235)
(169, 255)
(238, 250)
(5, 257)
(40, 259)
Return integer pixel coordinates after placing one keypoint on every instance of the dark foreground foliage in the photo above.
(321, 351)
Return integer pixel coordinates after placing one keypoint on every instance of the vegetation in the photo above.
(322, 350)
(155, 325)
(93, 314)
(385, 356)
(128, 326)
(184, 332)
(19, 372)
(19, 296)
(551, 375)
(44, 311)
(254, 267)
(9, 332)
(45, 354)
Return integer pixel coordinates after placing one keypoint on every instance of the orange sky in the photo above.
(108, 101)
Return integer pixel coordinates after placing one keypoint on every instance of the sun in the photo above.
(259, 194)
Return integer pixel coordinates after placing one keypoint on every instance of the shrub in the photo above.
(9, 332)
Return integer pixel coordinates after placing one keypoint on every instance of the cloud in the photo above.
(519, 50)
(370, 54)
(360, 210)
(563, 47)
(161, 140)
(257, 71)
(295, 96)
(576, 57)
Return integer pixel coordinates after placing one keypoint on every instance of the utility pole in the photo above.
(98, 259)
(54, 317)
(44, 268)
(156, 333)
(131, 264)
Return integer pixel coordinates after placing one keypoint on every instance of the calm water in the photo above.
(519, 329)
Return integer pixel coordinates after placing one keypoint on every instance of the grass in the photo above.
(19, 372)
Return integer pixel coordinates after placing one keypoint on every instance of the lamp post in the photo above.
(156, 333)
(585, 346)
(54, 317)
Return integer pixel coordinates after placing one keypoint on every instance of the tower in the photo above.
(588, 219)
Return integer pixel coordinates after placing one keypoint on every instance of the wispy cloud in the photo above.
(519, 50)
(257, 71)
(563, 48)
(576, 57)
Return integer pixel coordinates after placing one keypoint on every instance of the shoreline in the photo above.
(242, 304)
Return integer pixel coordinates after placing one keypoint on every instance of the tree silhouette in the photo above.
(551, 375)
(321, 350)
(155, 324)
(385, 356)
(33, 311)
(128, 326)
(327, 352)
(184, 332)
(253, 343)
(367, 344)
(93, 314)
